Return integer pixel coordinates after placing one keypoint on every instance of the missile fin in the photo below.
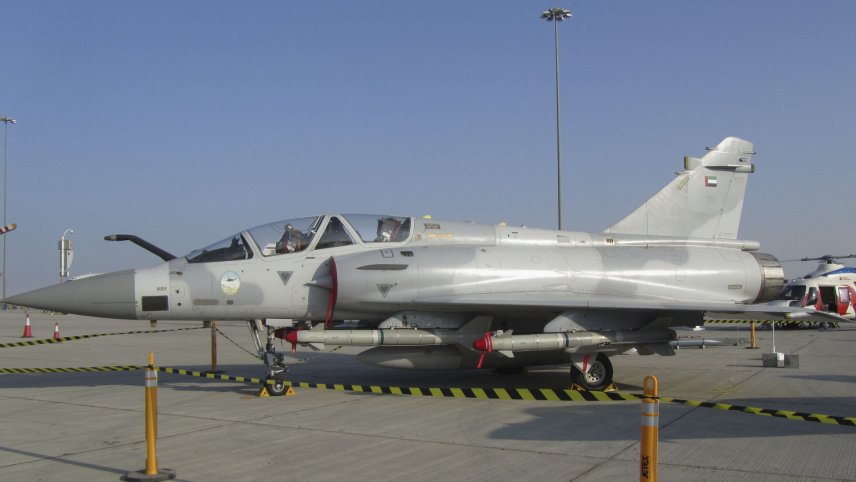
(663, 349)
(479, 325)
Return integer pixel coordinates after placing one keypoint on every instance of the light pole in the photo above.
(65, 255)
(6, 121)
(557, 15)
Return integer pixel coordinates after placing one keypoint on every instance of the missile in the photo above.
(505, 342)
(395, 336)
(464, 336)
(451, 357)
(695, 342)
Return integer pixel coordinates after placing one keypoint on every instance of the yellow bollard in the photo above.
(151, 472)
(151, 413)
(650, 424)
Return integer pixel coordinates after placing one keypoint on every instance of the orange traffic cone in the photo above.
(27, 331)
(56, 331)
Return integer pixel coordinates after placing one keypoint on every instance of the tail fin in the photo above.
(703, 201)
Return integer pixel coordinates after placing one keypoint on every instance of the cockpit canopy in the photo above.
(301, 234)
(282, 237)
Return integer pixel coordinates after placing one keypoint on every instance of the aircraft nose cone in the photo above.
(108, 295)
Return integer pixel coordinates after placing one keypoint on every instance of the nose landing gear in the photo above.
(273, 360)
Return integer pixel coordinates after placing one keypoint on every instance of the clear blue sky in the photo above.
(183, 122)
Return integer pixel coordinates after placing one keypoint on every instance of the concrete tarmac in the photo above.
(90, 426)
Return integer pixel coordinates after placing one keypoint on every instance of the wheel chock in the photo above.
(611, 388)
(263, 392)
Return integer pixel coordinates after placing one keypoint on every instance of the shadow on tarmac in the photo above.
(64, 460)
(620, 421)
(826, 378)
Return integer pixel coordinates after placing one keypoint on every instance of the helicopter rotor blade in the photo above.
(825, 257)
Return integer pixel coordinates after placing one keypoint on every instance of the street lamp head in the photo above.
(556, 14)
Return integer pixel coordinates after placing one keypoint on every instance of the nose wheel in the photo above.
(276, 386)
(273, 360)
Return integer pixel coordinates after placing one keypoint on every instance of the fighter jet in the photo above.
(434, 294)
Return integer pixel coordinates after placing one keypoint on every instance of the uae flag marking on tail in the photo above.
(710, 181)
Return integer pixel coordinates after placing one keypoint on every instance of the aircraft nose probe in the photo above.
(141, 243)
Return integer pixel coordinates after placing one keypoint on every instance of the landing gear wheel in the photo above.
(276, 387)
(509, 370)
(599, 376)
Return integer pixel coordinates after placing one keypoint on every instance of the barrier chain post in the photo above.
(151, 472)
(752, 336)
(213, 346)
(213, 325)
(650, 424)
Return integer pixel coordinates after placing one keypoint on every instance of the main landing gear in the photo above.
(599, 375)
(276, 369)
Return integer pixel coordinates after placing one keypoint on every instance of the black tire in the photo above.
(509, 370)
(276, 387)
(599, 376)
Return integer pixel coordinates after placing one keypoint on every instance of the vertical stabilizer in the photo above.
(703, 201)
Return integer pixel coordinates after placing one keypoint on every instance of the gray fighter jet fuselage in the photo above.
(436, 294)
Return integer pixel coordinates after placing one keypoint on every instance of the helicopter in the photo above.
(831, 287)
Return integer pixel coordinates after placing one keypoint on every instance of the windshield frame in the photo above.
(225, 250)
